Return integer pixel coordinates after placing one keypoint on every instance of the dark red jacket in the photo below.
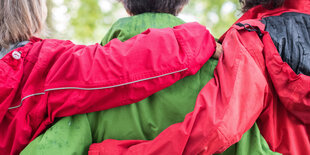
(50, 78)
(251, 83)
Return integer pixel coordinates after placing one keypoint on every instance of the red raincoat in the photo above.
(53, 78)
(251, 83)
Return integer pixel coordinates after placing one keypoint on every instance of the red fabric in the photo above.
(300, 5)
(250, 82)
(285, 126)
(221, 115)
(259, 12)
(56, 78)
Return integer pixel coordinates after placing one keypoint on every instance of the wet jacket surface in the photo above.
(46, 79)
(143, 120)
(290, 34)
(250, 70)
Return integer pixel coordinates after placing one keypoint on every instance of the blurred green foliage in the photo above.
(89, 20)
(218, 9)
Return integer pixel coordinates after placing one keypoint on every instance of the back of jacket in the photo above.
(251, 70)
(51, 78)
(290, 33)
(143, 120)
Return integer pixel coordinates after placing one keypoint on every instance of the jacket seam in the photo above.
(188, 54)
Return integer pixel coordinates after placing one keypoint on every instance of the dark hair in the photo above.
(268, 4)
(136, 7)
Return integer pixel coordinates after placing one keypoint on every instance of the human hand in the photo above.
(218, 51)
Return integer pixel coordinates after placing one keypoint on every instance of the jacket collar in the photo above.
(301, 5)
(5, 51)
(259, 12)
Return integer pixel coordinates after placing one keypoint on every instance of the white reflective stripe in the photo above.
(24, 99)
(99, 88)
(124, 84)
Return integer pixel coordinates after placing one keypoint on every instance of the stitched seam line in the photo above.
(185, 47)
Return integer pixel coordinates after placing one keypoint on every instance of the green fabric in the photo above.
(126, 28)
(143, 120)
(251, 143)
(70, 135)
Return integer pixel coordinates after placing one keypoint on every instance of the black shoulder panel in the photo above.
(290, 33)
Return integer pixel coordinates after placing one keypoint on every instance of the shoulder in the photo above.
(123, 22)
(50, 43)
(48, 48)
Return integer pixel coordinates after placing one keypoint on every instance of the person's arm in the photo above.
(53, 78)
(225, 108)
(231, 102)
(92, 78)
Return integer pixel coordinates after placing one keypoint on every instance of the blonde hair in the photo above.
(20, 20)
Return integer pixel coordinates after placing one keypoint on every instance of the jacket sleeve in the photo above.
(83, 79)
(225, 108)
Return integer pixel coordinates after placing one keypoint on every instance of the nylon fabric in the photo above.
(216, 122)
(126, 28)
(49, 64)
(61, 141)
(282, 130)
(300, 5)
(143, 120)
(290, 34)
(291, 117)
(252, 142)
(249, 70)
(137, 121)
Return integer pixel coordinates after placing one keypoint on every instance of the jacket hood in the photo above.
(302, 5)
(259, 12)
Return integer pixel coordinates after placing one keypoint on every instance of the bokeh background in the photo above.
(87, 21)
